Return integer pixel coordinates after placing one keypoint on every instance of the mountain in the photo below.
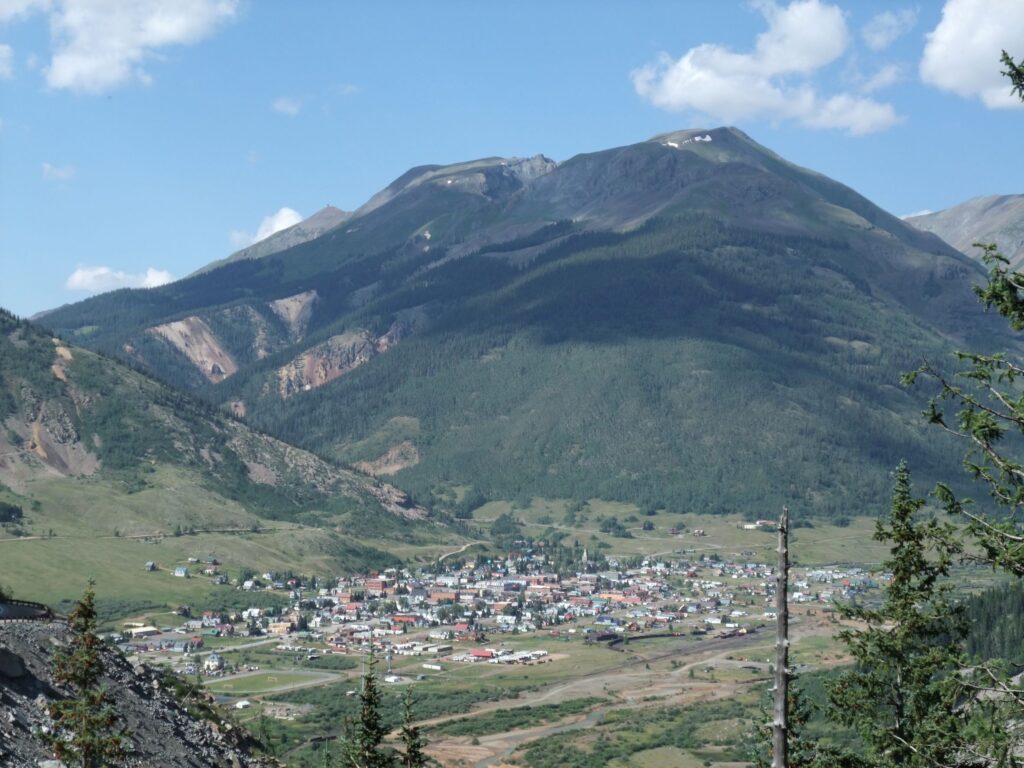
(96, 457)
(689, 322)
(995, 219)
(324, 220)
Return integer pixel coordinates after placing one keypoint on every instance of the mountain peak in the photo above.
(473, 176)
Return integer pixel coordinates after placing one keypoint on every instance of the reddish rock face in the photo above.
(333, 358)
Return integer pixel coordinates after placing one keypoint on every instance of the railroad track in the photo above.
(24, 610)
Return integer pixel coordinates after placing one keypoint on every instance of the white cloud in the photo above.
(99, 45)
(922, 212)
(802, 37)
(286, 106)
(96, 279)
(962, 53)
(275, 222)
(13, 9)
(771, 82)
(857, 115)
(344, 89)
(888, 27)
(58, 172)
(6, 62)
(888, 74)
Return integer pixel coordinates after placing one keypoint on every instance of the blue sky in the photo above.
(141, 139)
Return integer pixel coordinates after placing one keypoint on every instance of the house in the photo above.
(181, 572)
(150, 565)
(279, 627)
(214, 663)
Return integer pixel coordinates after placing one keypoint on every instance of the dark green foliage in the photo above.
(331, 706)
(905, 696)
(1016, 74)
(525, 405)
(623, 733)
(10, 513)
(989, 417)
(413, 742)
(362, 745)
(502, 720)
(86, 731)
(989, 420)
(996, 620)
(804, 750)
(615, 528)
(504, 527)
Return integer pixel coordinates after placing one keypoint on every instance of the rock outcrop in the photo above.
(335, 357)
(194, 339)
(160, 730)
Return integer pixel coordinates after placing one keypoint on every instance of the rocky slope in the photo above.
(160, 730)
(995, 219)
(68, 412)
(100, 458)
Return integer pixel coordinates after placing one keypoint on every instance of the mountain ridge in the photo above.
(997, 219)
(324, 220)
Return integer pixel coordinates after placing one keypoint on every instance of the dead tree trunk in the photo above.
(780, 724)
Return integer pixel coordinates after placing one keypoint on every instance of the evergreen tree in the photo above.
(412, 739)
(85, 725)
(990, 408)
(905, 695)
(364, 739)
(1016, 74)
(989, 418)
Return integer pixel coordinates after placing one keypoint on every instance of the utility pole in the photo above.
(780, 721)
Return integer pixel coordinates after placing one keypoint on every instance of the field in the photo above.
(84, 528)
(121, 531)
(266, 682)
(477, 712)
(823, 543)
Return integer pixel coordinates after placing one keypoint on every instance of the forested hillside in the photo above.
(996, 618)
(689, 322)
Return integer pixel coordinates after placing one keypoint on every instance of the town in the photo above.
(462, 612)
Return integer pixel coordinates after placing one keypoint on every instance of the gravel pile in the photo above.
(161, 731)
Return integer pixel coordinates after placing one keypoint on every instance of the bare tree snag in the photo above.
(780, 721)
